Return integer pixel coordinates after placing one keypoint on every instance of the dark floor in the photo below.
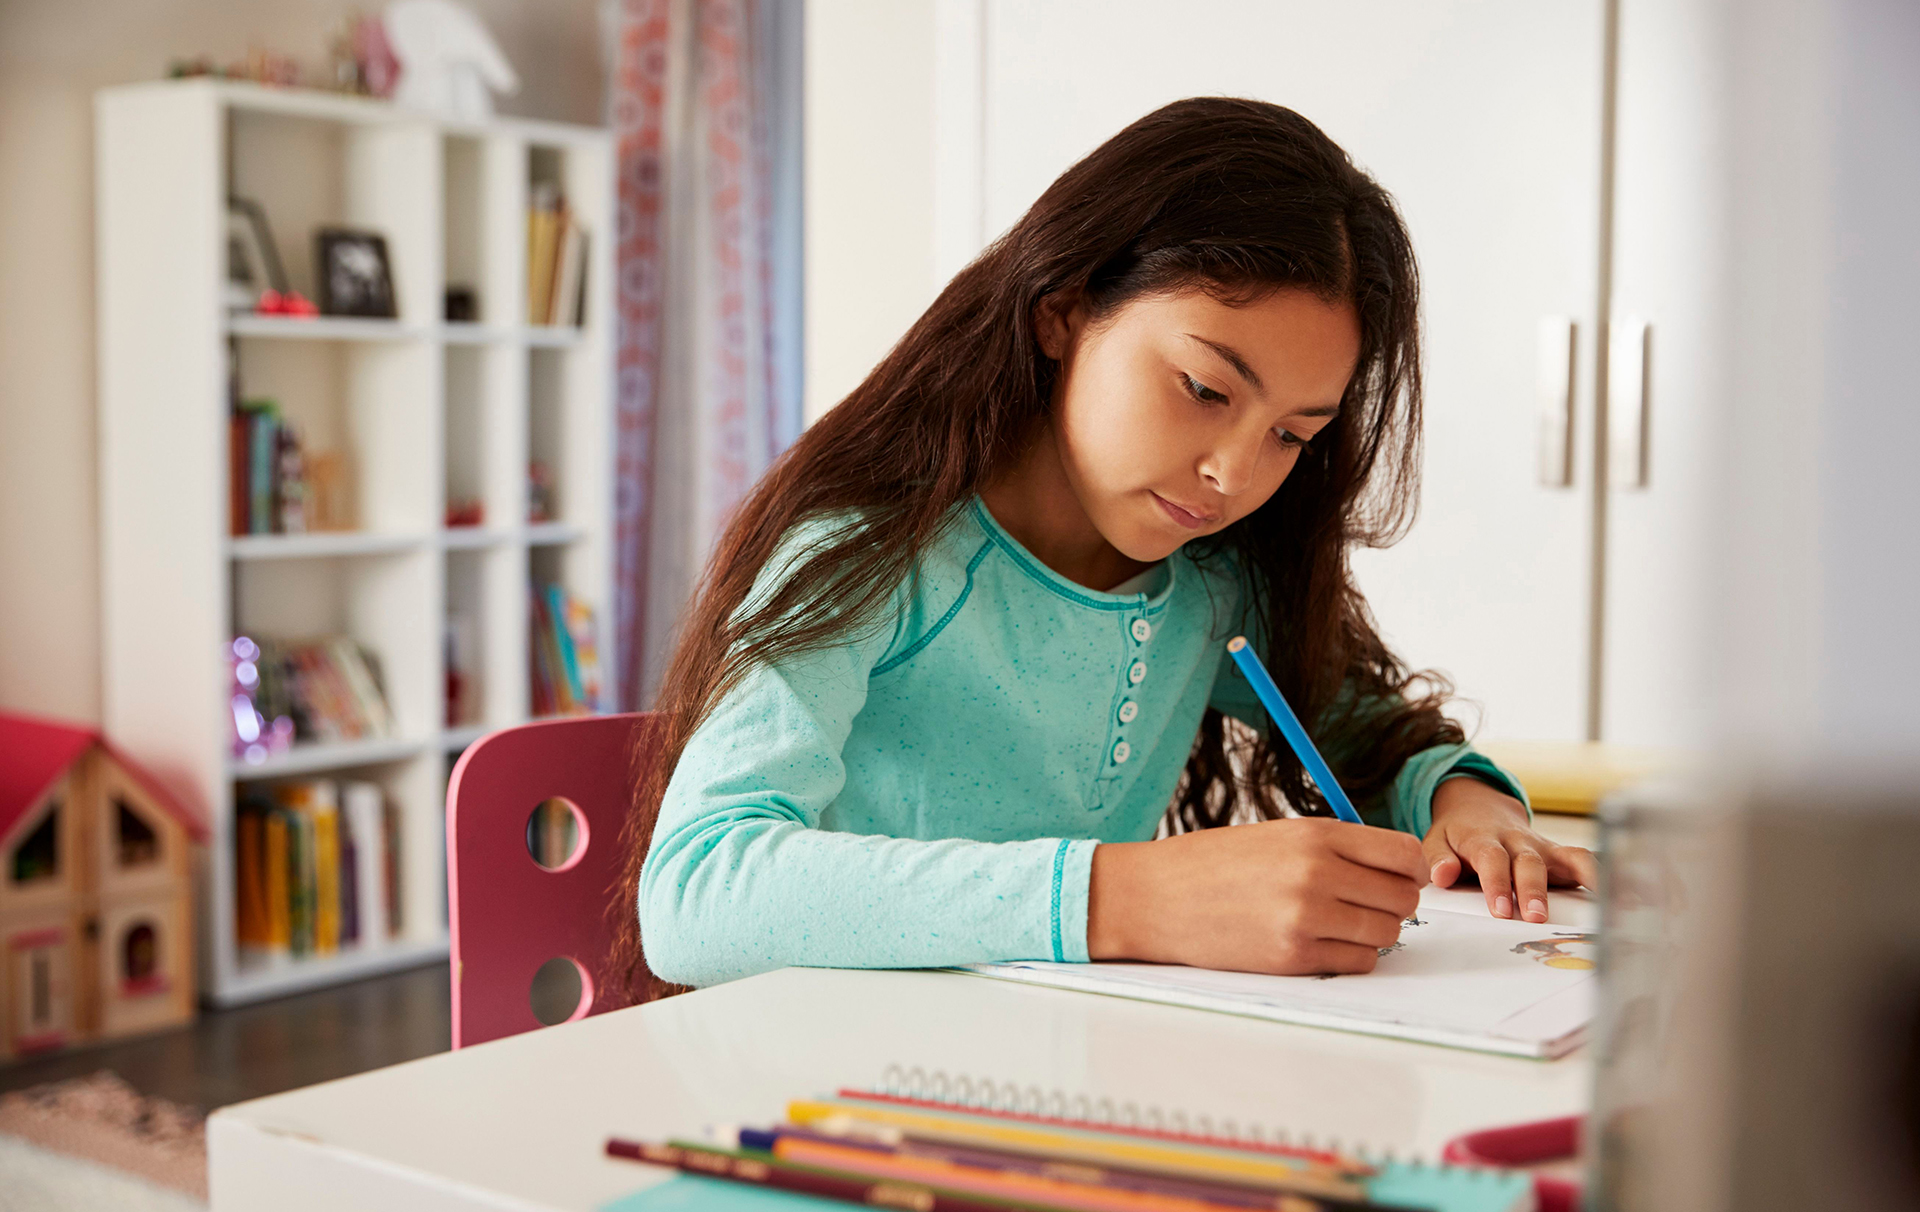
(229, 1056)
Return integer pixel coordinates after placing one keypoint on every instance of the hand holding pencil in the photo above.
(1291, 897)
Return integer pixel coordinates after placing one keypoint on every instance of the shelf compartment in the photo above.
(482, 637)
(388, 603)
(309, 173)
(551, 566)
(351, 403)
(485, 390)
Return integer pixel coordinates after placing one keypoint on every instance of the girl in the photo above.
(964, 643)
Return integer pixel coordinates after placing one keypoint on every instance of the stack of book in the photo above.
(565, 669)
(329, 689)
(267, 489)
(900, 1152)
(556, 260)
(316, 868)
(275, 485)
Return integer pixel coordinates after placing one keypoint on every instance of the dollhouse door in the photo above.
(40, 1010)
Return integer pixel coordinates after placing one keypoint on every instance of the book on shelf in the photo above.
(329, 689)
(315, 869)
(556, 260)
(275, 484)
(365, 810)
(563, 654)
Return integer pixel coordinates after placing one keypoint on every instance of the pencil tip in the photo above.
(1236, 643)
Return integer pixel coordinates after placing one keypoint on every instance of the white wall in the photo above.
(53, 55)
(869, 218)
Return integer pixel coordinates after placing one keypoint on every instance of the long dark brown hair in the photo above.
(1237, 198)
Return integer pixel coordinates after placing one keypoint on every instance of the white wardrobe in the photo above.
(1549, 156)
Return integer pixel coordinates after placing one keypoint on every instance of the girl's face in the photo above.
(1179, 415)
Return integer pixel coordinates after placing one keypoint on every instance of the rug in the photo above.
(33, 1179)
(103, 1120)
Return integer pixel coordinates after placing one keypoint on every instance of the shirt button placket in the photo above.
(1141, 631)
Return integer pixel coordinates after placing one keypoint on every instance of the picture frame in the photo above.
(253, 259)
(353, 273)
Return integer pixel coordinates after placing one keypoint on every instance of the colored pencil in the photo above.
(997, 1184)
(1084, 1146)
(1276, 705)
(1212, 1191)
(768, 1172)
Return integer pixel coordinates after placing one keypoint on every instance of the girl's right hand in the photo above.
(1289, 897)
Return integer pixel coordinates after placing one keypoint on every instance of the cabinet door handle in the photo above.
(1629, 396)
(1553, 399)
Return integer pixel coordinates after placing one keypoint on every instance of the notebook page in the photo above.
(1463, 979)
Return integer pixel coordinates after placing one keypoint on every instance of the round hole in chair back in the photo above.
(561, 991)
(556, 833)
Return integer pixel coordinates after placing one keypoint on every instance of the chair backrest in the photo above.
(507, 914)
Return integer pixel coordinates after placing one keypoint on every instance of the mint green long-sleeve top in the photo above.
(930, 791)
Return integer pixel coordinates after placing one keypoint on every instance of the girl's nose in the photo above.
(1229, 467)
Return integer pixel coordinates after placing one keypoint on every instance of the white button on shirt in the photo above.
(1128, 710)
(1142, 630)
(1121, 752)
(1138, 673)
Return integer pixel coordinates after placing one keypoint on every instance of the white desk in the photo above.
(521, 1123)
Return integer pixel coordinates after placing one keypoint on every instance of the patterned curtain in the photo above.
(705, 104)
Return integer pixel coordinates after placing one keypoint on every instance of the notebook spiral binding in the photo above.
(985, 1094)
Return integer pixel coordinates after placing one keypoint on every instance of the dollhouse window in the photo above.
(138, 844)
(38, 857)
(139, 955)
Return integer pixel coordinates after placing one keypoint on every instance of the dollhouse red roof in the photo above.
(34, 753)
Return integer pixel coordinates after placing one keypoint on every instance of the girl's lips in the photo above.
(1182, 516)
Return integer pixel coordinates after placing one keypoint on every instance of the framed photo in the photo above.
(253, 260)
(353, 273)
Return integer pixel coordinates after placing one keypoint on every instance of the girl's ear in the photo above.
(1054, 319)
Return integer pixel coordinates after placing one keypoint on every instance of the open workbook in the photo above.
(1464, 979)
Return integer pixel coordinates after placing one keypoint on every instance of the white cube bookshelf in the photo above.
(422, 410)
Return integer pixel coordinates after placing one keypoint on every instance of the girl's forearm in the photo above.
(736, 894)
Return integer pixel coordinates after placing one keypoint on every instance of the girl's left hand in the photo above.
(1478, 828)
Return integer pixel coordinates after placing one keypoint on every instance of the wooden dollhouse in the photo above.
(96, 917)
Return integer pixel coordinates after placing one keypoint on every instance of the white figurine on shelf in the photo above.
(449, 63)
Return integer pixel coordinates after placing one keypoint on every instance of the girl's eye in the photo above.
(1289, 439)
(1201, 392)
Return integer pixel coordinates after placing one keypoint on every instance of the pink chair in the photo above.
(507, 914)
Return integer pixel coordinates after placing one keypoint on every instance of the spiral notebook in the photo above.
(1386, 1183)
(1462, 979)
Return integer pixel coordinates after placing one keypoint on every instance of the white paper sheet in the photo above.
(1463, 979)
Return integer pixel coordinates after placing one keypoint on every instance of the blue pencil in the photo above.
(1290, 728)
